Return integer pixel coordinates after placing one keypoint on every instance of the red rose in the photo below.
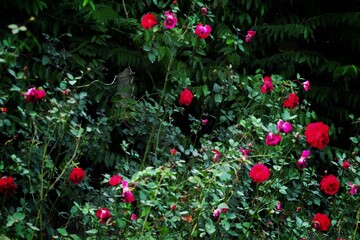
(259, 173)
(33, 95)
(272, 139)
(317, 135)
(186, 97)
(148, 21)
(3, 110)
(203, 31)
(77, 175)
(346, 164)
(103, 214)
(330, 184)
(115, 180)
(321, 222)
(292, 101)
(173, 151)
(7, 185)
(267, 86)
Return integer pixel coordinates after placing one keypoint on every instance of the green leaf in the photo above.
(152, 57)
(218, 98)
(210, 228)
(92, 231)
(205, 90)
(62, 231)
(45, 60)
(223, 205)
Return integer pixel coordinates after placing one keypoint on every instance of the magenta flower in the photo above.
(278, 206)
(203, 31)
(283, 126)
(346, 164)
(267, 86)
(133, 217)
(204, 11)
(217, 212)
(306, 85)
(217, 155)
(302, 161)
(115, 180)
(272, 139)
(33, 95)
(170, 20)
(103, 214)
(127, 194)
(204, 121)
(250, 35)
(245, 152)
(353, 188)
(173, 207)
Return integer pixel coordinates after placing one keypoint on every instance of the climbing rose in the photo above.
(321, 222)
(173, 207)
(77, 175)
(245, 152)
(173, 151)
(204, 121)
(4, 110)
(259, 173)
(353, 188)
(148, 21)
(170, 20)
(103, 214)
(7, 185)
(278, 206)
(283, 126)
(346, 164)
(217, 155)
(330, 184)
(186, 97)
(203, 31)
(217, 212)
(250, 35)
(267, 86)
(115, 180)
(306, 85)
(33, 95)
(272, 139)
(317, 135)
(204, 11)
(292, 101)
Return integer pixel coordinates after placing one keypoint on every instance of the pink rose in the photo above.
(272, 139)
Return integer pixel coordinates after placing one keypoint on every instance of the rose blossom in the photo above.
(103, 214)
(173, 207)
(259, 173)
(217, 212)
(306, 85)
(173, 151)
(353, 188)
(245, 152)
(77, 175)
(330, 184)
(267, 86)
(127, 194)
(115, 180)
(203, 31)
(170, 20)
(148, 21)
(186, 97)
(321, 222)
(272, 139)
(283, 126)
(217, 155)
(204, 11)
(7, 185)
(317, 135)
(204, 121)
(292, 101)
(133, 217)
(33, 95)
(278, 206)
(250, 35)
(4, 110)
(346, 164)
(302, 161)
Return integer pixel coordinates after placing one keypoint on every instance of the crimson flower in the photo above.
(217, 155)
(7, 185)
(4, 110)
(204, 11)
(170, 20)
(186, 97)
(245, 152)
(103, 214)
(272, 139)
(321, 222)
(217, 212)
(173, 207)
(203, 31)
(77, 175)
(267, 86)
(346, 164)
(330, 184)
(133, 217)
(292, 101)
(115, 180)
(33, 95)
(302, 161)
(148, 21)
(173, 151)
(259, 173)
(317, 135)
